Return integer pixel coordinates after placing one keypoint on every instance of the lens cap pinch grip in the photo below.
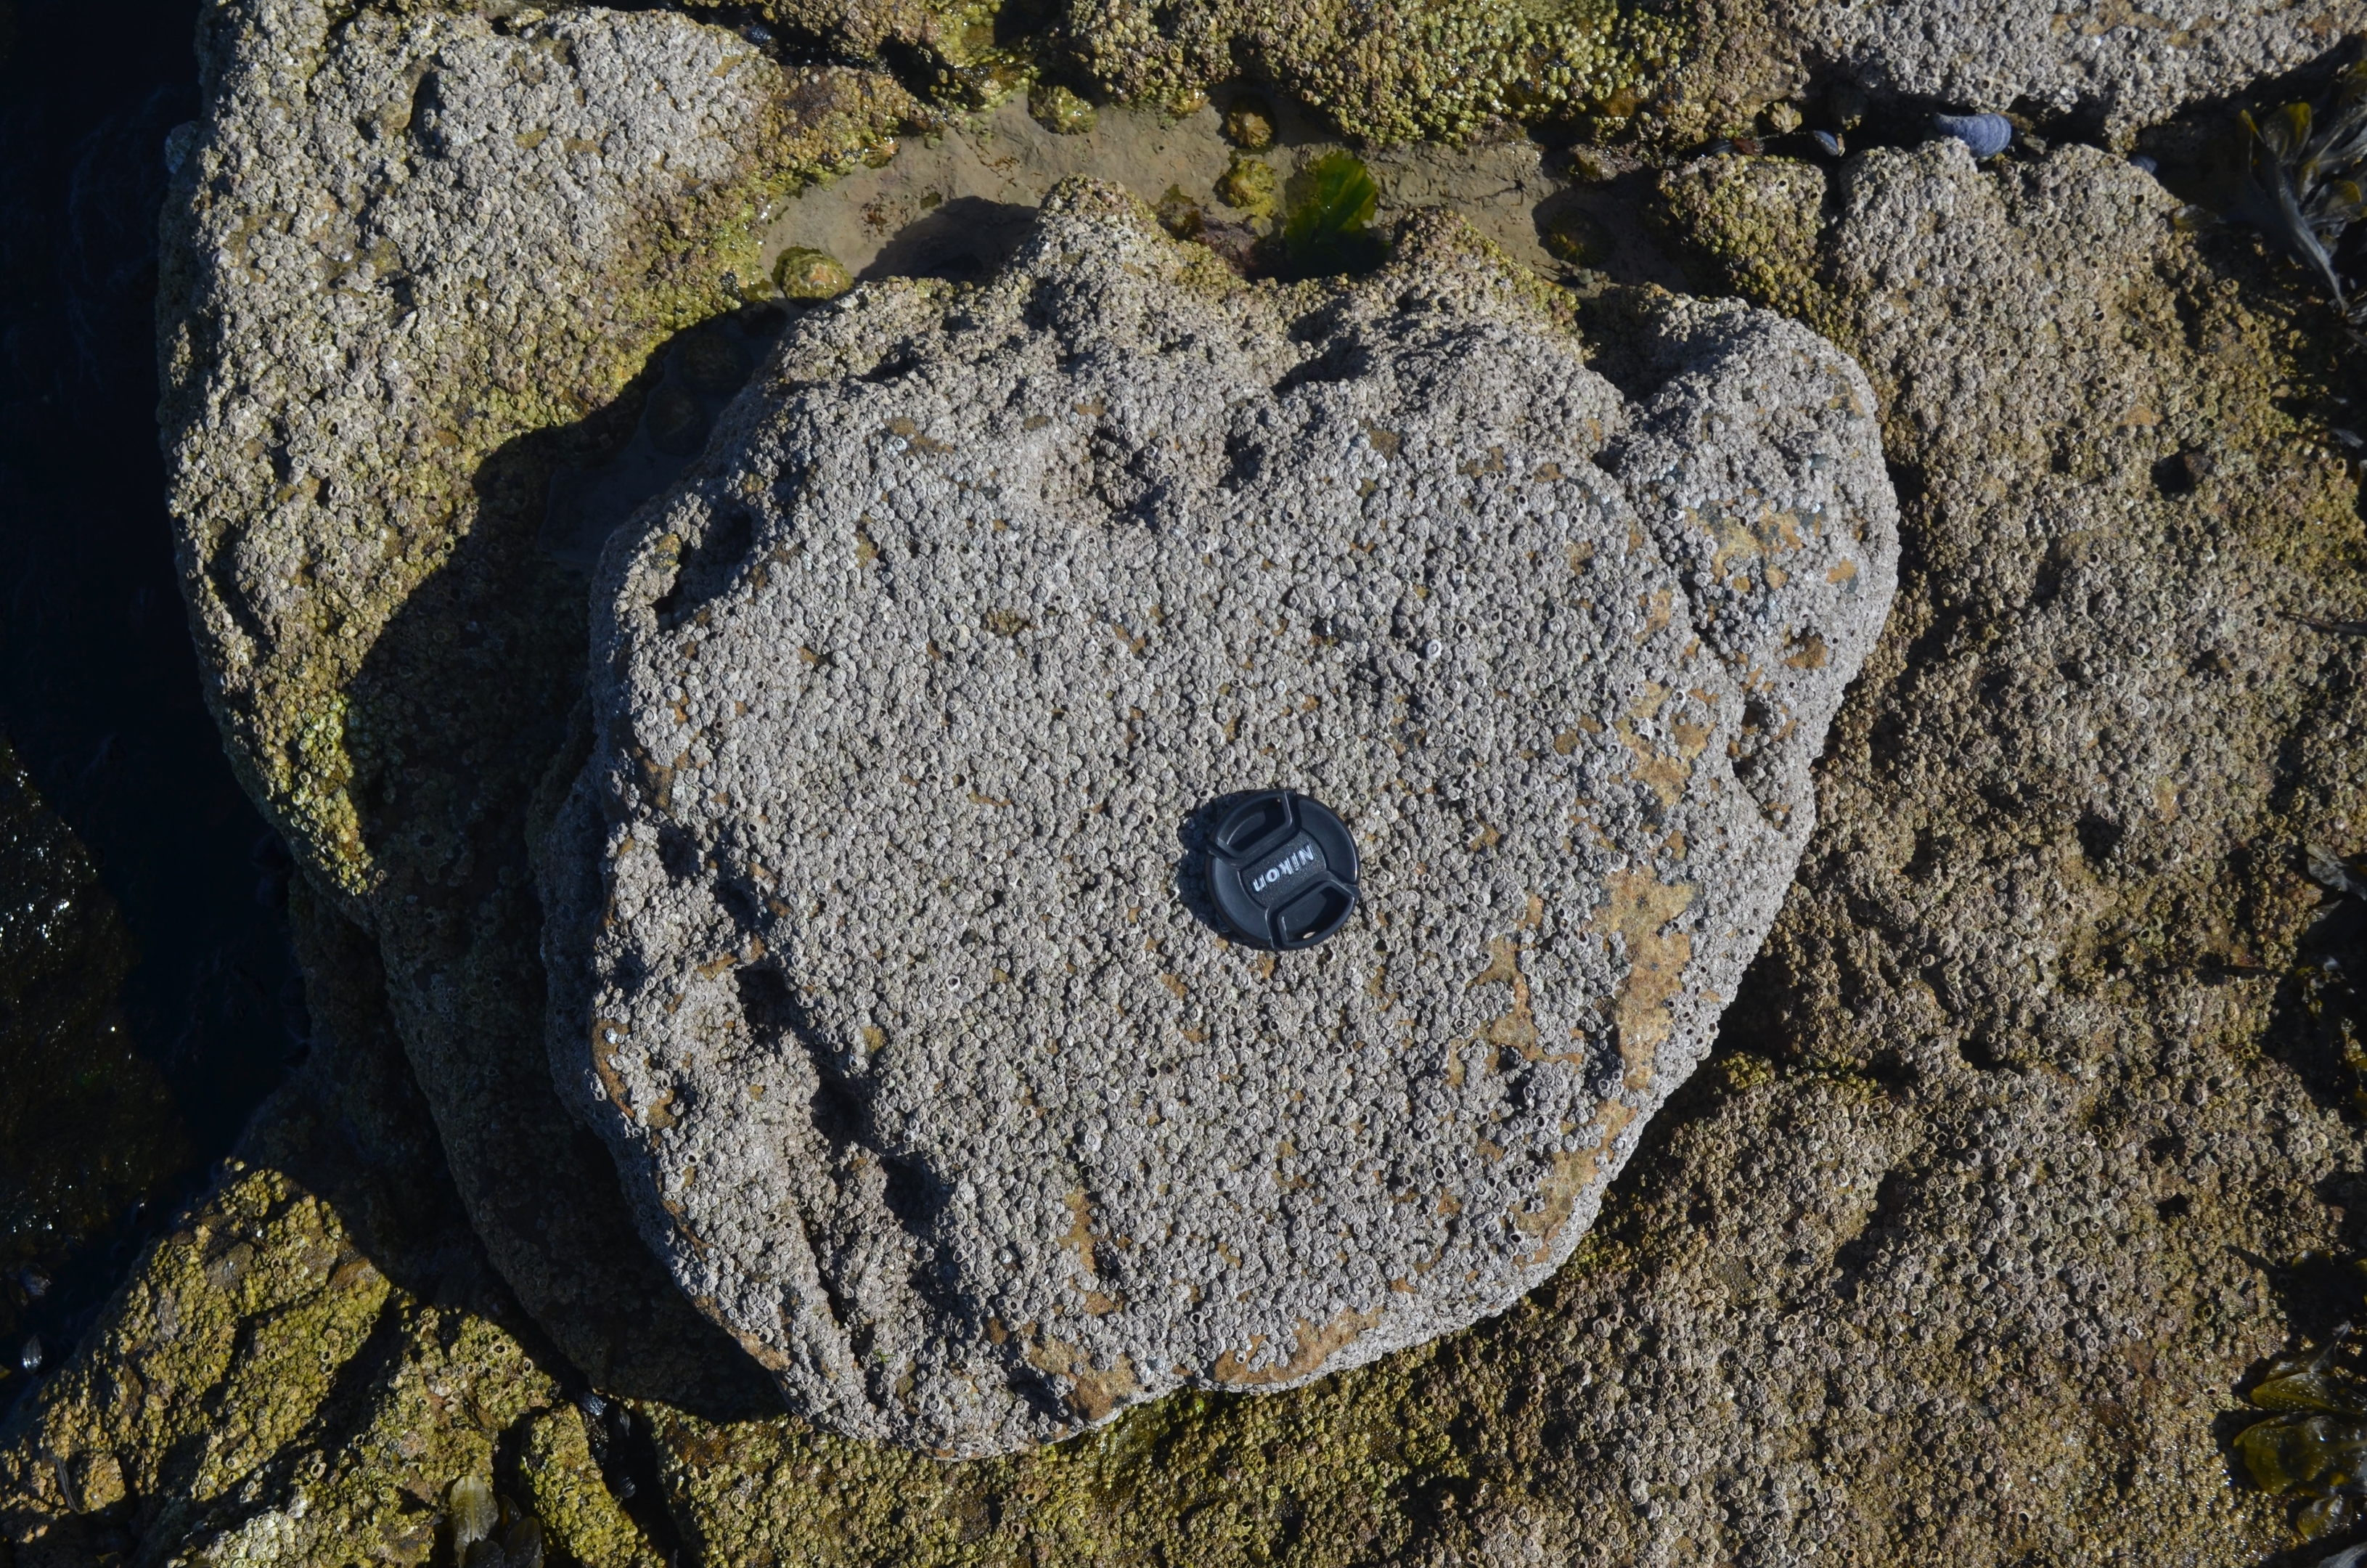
(1282, 871)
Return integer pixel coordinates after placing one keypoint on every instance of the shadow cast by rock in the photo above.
(460, 712)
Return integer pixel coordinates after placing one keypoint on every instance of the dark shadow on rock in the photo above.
(965, 240)
(691, 380)
(459, 711)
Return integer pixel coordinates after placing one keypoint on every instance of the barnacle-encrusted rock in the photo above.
(2119, 64)
(410, 258)
(1398, 70)
(929, 1080)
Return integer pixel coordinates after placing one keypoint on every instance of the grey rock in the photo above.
(405, 257)
(927, 1075)
(2125, 65)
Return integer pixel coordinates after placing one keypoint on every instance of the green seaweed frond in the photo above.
(1326, 230)
(2301, 176)
(2312, 1445)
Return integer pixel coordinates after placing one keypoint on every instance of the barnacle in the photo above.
(2298, 181)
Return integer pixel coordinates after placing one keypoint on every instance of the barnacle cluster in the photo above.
(2298, 180)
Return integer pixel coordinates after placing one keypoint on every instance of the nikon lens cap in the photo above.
(1282, 870)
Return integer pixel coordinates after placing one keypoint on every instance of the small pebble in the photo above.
(1986, 134)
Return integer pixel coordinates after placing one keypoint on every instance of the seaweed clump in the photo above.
(2298, 180)
(2313, 1447)
(1326, 228)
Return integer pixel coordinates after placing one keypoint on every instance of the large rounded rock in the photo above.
(930, 1076)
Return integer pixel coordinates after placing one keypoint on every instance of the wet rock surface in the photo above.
(87, 1128)
(928, 1073)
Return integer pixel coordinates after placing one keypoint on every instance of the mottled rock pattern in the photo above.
(1734, 1362)
(930, 1080)
(413, 261)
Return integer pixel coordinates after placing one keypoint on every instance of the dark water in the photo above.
(99, 679)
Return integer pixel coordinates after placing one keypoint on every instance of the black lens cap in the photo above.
(1282, 870)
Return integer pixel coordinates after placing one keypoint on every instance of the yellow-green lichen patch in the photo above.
(1320, 1474)
(562, 1484)
(1751, 226)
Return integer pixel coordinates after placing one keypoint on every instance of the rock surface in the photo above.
(1397, 71)
(930, 1080)
(406, 259)
(1951, 1252)
(87, 1127)
(2113, 65)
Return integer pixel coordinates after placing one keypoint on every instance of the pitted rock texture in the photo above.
(410, 264)
(2119, 64)
(929, 1077)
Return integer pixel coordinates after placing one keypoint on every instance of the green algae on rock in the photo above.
(1061, 111)
(1401, 71)
(303, 1366)
(1326, 227)
(2314, 1446)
